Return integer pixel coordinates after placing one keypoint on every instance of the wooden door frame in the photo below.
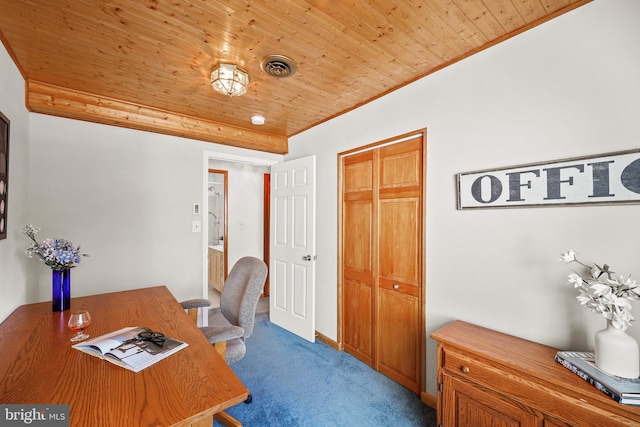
(422, 266)
(266, 218)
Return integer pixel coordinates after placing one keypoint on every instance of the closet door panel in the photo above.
(358, 280)
(399, 249)
(399, 240)
(358, 328)
(358, 173)
(399, 332)
(401, 165)
(357, 235)
(357, 256)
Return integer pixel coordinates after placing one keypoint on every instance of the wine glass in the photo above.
(78, 322)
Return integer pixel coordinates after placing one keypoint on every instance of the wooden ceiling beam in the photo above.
(58, 101)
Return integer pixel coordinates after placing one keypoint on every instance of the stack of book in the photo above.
(583, 364)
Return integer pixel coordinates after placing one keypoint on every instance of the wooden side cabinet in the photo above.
(487, 378)
(216, 269)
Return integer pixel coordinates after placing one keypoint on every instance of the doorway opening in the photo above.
(243, 218)
(217, 237)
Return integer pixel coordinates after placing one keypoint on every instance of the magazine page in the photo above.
(140, 353)
(104, 343)
(134, 348)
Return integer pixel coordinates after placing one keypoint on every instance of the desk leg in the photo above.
(193, 314)
(202, 422)
(221, 348)
(226, 420)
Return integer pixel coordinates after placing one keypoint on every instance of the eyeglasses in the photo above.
(149, 336)
(155, 337)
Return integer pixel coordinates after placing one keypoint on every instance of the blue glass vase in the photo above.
(61, 289)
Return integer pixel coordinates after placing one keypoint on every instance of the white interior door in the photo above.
(293, 246)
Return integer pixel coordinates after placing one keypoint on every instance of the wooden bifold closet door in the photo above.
(382, 197)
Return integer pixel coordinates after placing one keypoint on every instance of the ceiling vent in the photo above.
(278, 66)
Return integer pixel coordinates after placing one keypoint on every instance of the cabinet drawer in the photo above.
(468, 367)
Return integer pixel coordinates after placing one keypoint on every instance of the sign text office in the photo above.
(610, 178)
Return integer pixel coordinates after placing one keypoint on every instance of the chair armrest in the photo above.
(222, 333)
(195, 303)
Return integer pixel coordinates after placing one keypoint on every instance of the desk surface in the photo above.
(38, 365)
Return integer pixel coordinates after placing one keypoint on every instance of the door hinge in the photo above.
(440, 386)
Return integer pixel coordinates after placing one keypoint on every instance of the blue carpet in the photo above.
(296, 383)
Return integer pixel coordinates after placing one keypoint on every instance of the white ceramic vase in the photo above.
(617, 352)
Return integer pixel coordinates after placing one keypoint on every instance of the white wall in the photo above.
(13, 291)
(126, 197)
(567, 88)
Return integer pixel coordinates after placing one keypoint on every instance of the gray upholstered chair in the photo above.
(232, 323)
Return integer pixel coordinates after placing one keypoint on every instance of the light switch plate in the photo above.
(196, 208)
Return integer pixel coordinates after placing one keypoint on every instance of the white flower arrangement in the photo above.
(59, 254)
(603, 293)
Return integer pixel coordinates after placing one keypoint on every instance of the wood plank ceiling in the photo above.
(146, 64)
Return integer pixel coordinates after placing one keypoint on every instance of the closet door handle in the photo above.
(396, 286)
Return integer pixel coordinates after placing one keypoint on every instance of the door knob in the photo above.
(396, 286)
(306, 258)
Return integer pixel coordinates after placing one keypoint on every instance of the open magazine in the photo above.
(133, 348)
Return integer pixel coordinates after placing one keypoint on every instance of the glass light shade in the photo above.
(230, 80)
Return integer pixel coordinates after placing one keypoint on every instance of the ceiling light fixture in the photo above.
(230, 80)
(257, 119)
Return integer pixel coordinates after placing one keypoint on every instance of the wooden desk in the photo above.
(38, 365)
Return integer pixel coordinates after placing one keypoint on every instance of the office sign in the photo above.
(602, 179)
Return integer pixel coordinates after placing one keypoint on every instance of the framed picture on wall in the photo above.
(4, 173)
